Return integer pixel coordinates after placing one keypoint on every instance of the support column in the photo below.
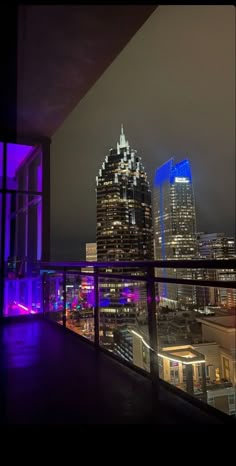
(96, 308)
(189, 379)
(64, 299)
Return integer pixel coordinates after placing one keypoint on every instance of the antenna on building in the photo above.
(122, 137)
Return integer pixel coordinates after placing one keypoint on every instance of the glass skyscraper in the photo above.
(174, 218)
(124, 211)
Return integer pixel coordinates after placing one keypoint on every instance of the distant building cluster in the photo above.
(133, 227)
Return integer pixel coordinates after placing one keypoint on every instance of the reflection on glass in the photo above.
(53, 295)
(24, 168)
(80, 304)
(23, 245)
(22, 296)
(195, 338)
(23, 227)
(123, 314)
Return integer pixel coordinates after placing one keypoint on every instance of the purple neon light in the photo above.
(21, 306)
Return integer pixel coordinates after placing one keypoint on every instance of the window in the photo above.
(21, 195)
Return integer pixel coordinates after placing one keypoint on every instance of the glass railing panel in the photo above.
(197, 342)
(22, 296)
(123, 319)
(80, 304)
(53, 296)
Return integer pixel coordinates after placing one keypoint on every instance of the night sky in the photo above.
(173, 88)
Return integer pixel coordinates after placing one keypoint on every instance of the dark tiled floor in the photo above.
(50, 376)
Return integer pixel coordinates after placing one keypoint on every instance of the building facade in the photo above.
(218, 246)
(124, 233)
(124, 210)
(91, 252)
(174, 223)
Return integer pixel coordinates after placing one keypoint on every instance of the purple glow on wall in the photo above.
(39, 230)
(22, 296)
(39, 178)
(16, 155)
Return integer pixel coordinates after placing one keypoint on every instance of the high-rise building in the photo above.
(218, 246)
(174, 220)
(215, 246)
(91, 252)
(124, 211)
(124, 233)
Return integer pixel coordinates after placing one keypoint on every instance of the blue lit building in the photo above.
(174, 215)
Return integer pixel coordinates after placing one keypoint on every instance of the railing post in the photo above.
(64, 298)
(204, 387)
(96, 308)
(45, 292)
(152, 324)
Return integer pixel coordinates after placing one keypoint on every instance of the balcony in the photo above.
(112, 348)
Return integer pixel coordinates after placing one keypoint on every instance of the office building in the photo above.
(124, 211)
(124, 231)
(174, 223)
(218, 246)
(91, 252)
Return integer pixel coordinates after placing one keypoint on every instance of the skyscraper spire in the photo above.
(122, 137)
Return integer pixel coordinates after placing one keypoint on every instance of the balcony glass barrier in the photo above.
(53, 296)
(22, 288)
(122, 309)
(178, 324)
(80, 304)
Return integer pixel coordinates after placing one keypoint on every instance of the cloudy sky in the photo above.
(173, 88)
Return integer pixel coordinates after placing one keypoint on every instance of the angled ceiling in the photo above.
(62, 51)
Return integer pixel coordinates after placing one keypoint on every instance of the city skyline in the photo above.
(174, 92)
(152, 190)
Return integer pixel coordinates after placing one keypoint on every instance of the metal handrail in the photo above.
(171, 264)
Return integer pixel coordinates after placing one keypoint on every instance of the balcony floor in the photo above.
(49, 376)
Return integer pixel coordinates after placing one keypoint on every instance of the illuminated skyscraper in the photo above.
(124, 212)
(174, 212)
(91, 252)
(124, 233)
(218, 246)
(174, 217)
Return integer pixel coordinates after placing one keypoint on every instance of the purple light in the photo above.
(1, 162)
(16, 155)
(122, 300)
(104, 302)
(23, 307)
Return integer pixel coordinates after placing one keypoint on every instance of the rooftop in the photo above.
(228, 322)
